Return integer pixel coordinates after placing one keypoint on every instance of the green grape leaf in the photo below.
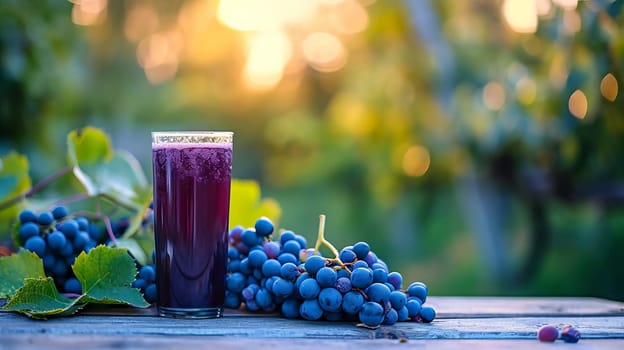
(120, 178)
(246, 204)
(15, 268)
(14, 180)
(39, 298)
(133, 247)
(88, 146)
(106, 275)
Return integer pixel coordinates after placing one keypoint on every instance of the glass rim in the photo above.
(192, 137)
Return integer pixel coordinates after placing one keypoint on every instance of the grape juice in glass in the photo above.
(192, 176)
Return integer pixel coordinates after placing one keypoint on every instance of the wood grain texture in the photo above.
(458, 307)
(52, 342)
(481, 322)
(275, 327)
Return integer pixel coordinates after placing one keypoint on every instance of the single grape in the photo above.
(343, 273)
(570, 334)
(302, 277)
(395, 279)
(234, 266)
(283, 288)
(83, 223)
(286, 236)
(263, 298)
(249, 292)
(380, 275)
(547, 333)
(343, 284)
(27, 216)
(271, 267)
(413, 307)
(139, 283)
(371, 314)
(234, 236)
(378, 293)
(59, 212)
(371, 259)
(326, 277)
(249, 237)
(148, 273)
(310, 310)
(314, 264)
(264, 226)
(287, 258)
(272, 249)
(68, 249)
(330, 299)
(268, 283)
(257, 258)
(232, 300)
(251, 305)
(398, 300)
(291, 247)
(36, 245)
(72, 285)
(70, 259)
(304, 254)
(233, 253)
(48, 261)
(244, 266)
(290, 308)
(257, 274)
(303, 243)
(45, 218)
(418, 290)
(289, 271)
(361, 249)
(69, 228)
(347, 255)
(236, 282)
(270, 308)
(59, 269)
(352, 302)
(391, 317)
(56, 241)
(427, 314)
(403, 314)
(309, 289)
(361, 277)
(27, 230)
(359, 264)
(81, 240)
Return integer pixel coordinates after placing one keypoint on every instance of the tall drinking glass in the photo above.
(192, 176)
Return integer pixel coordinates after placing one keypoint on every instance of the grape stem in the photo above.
(36, 188)
(104, 218)
(321, 241)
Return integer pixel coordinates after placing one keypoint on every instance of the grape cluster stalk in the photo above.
(285, 275)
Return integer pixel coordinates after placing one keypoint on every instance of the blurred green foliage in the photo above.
(473, 157)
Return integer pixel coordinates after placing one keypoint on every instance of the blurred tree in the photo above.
(476, 143)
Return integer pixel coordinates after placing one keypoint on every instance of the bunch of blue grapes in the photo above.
(285, 275)
(146, 282)
(57, 238)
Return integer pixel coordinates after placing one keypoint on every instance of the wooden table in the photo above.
(462, 322)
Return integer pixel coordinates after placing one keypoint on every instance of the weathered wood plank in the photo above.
(462, 307)
(53, 342)
(275, 327)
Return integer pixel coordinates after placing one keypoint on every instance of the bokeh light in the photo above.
(578, 104)
(609, 87)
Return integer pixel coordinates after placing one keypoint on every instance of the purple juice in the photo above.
(191, 210)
